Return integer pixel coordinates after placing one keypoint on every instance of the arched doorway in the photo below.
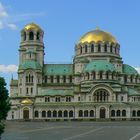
(26, 113)
(102, 113)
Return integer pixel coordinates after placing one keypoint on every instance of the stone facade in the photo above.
(96, 86)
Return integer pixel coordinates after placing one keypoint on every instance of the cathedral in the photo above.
(96, 86)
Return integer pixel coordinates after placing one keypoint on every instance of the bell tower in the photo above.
(32, 46)
(31, 59)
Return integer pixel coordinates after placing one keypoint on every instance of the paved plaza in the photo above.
(72, 131)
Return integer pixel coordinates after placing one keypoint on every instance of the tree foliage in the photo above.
(4, 103)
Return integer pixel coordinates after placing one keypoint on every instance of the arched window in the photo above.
(86, 113)
(31, 90)
(27, 90)
(68, 99)
(71, 113)
(49, 113)
(115, 50)
(12, 114)
(64, 79)
(113, 75)
(51, 79)
(80, 49)
(54, 113)
(58, 79)
(134, 113)
(137, 79)
(131, 78)
(24, 36)
(65, 113)
(37, 36)
(59, 113)
(124, 113)
(111, 48)
(80, 113)
(70, 78)
(138, 113)
(43, 113)
(99, 48)
(31, 36)
(105, 48)
(125, 78)
(46, 78)
(113, 113)
(29, 77)
(85, 48)
(101, 95)
(36, 114)
(92, 48)
(100, 74)
(57, 99)
(47, 99)
(118, 113)
(91, 113)
(26, 79)
(107, 75)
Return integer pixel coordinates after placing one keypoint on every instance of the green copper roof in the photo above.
(30, 64)
(99, 65)
(58, 69)
(59, 92)
(133, 92)
(129, 70)
(14, 83)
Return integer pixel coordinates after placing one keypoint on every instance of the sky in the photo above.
(64, 22)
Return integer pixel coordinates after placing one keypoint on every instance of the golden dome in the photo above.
(97, 35)
(32, 26)
(27, 101)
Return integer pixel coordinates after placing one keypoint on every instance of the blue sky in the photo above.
(64, 22)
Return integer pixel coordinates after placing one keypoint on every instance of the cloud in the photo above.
(8, 69)
(26, 16)
(3, 12)
(8, 20)
(12, 26)
(1, 25)
(4, 17)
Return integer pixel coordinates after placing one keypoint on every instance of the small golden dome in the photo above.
(97, 35)
(32, 26)
(27, 101)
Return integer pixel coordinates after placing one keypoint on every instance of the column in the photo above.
(35, 36)
(104, 75)
(96, 48)
(102, 47)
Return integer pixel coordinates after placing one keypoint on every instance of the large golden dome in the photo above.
(27, 101)
(97, 35)
(32, 26)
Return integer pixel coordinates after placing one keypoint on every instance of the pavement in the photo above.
(72, 130)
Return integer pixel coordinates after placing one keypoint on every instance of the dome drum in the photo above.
(99, 47)
(99, 76)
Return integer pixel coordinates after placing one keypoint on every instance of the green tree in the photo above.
(4, 104)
